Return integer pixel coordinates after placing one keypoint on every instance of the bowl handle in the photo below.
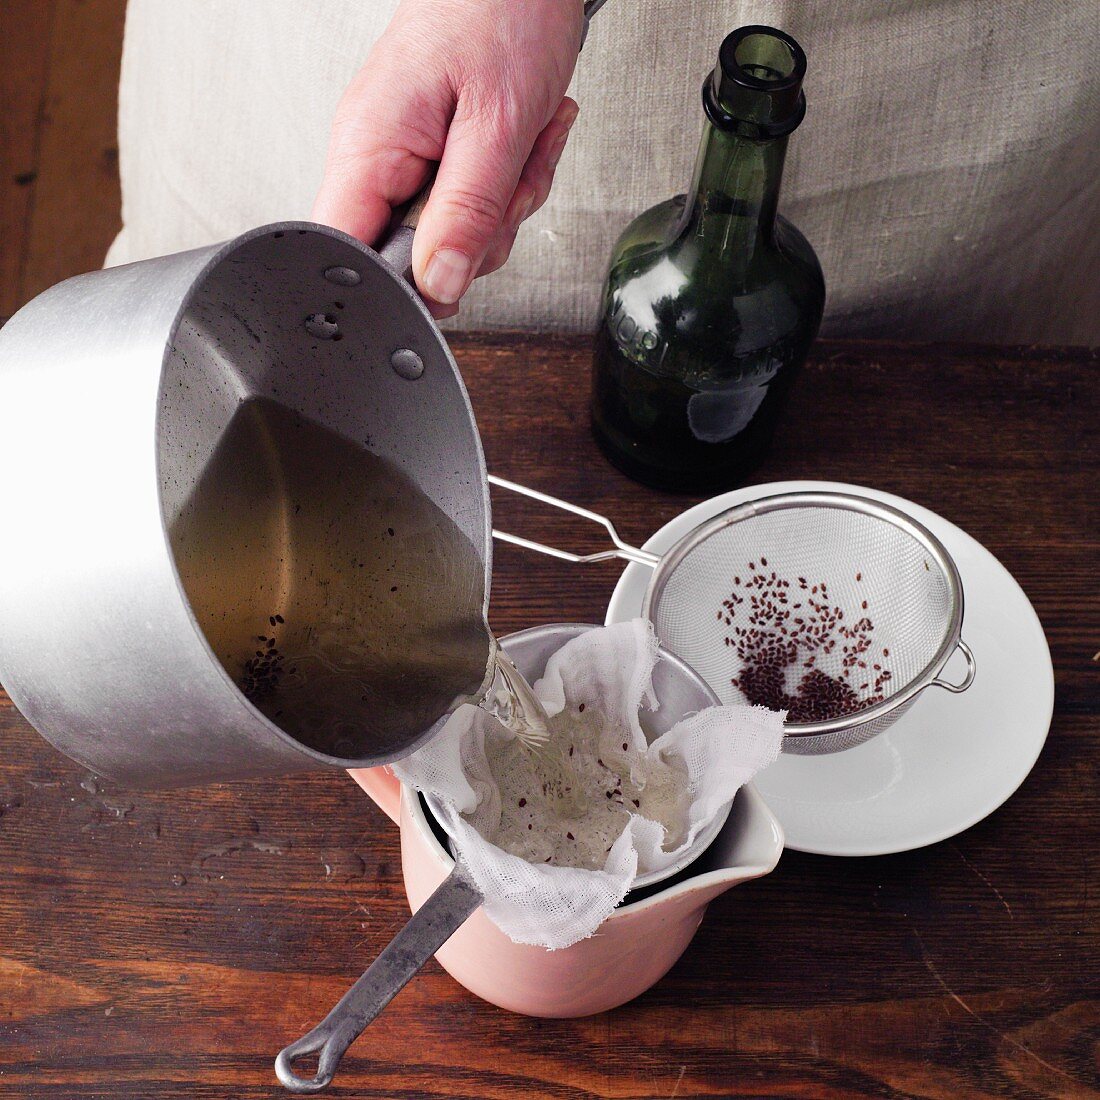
(968, 679)
(427, 930)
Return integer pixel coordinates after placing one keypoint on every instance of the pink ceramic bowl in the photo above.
(632, 949)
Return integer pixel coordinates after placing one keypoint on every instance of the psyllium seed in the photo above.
(776, 644)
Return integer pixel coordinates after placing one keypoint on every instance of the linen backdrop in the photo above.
(946, 173)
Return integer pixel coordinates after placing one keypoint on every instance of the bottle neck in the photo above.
(729, 214)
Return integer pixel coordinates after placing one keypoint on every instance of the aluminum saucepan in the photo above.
(152, 538)
(182, 467)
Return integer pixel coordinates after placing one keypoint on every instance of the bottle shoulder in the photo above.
(649, 232)
(792, 244)
(648, 273)
(651, 241)
(694, 321)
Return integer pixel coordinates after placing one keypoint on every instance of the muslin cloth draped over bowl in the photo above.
(609, 670)
(947, 171)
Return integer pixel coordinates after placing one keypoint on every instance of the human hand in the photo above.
(477, 86)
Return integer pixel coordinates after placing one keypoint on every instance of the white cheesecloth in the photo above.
(608, 669)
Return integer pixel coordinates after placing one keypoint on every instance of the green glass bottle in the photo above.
(712, 300)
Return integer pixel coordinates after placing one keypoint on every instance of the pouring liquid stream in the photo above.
(517, 706)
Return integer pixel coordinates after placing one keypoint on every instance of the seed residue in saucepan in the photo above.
(264, 669)
(780, 628)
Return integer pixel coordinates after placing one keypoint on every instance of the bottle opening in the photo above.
(764, 57)
(757, 82)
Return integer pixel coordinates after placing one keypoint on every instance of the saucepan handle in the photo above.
(431, 926)
(590, 9)
(396, 248)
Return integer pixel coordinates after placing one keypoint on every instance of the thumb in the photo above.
(477, 177)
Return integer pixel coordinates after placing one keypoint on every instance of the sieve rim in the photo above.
(851, 502)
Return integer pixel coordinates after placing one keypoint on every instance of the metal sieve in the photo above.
(821, 598)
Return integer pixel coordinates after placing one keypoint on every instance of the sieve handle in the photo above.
(622, 549)
(429, 928)
(968, 679)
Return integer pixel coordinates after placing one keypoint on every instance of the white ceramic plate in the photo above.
(947, 763)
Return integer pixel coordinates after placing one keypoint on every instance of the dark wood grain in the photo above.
(168, 944)
(59, 188)
(24, 69)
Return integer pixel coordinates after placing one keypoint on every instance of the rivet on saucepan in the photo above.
(407, 364)
(323, 326)
(343, 276)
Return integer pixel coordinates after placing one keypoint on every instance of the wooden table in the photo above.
(169, 944)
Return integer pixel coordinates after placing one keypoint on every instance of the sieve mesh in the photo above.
(858, 575)
(836, 608)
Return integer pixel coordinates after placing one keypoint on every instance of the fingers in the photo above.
(534, 184)
(547, 151)
(489, 180)
(385, 139)
(477, 176)
(474, 96)
(358, 197)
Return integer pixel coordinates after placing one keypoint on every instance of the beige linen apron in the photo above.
(946, 173)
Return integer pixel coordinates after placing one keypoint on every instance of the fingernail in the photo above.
(568, 114)
(447, 276)
(523, 208)
(556, 150)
